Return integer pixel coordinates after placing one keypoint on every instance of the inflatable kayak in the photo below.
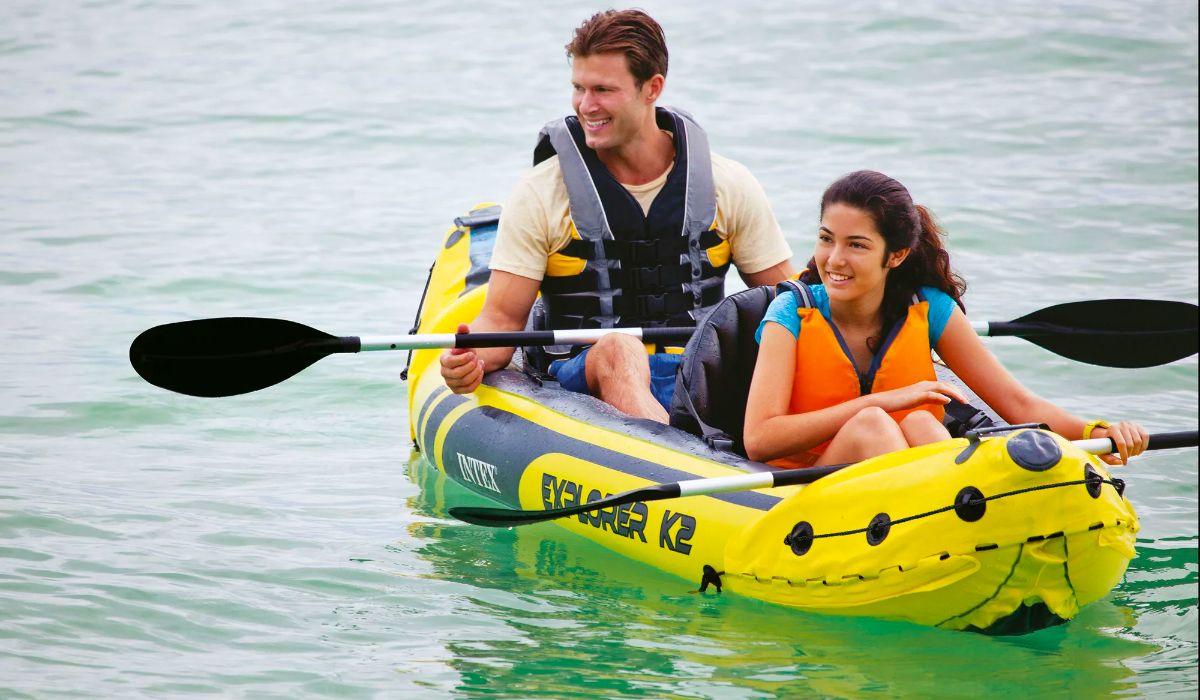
(1004, 531)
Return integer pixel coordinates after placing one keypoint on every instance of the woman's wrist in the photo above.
(1091, 426)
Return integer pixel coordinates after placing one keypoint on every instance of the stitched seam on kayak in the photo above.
(1067, 570)
(995, 594)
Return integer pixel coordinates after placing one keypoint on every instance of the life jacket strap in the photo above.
(638, 252)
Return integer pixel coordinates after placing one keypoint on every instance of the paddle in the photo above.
(229, 356)
(505, 517)
(1108, 332)
(237, 355)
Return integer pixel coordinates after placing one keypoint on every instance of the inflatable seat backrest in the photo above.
(535, 360)
(718, 363)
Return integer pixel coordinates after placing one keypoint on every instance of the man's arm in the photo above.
(772, 275)
(754, 236)
(506, 308)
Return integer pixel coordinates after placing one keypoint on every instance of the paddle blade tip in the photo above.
(502, 517)
(486, 517)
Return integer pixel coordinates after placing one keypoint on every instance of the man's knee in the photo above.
(617, 351)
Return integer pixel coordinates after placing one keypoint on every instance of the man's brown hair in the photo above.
(631, 32)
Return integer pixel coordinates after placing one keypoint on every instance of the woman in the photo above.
(852, 377)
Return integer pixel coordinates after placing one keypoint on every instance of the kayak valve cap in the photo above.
(1034, 450)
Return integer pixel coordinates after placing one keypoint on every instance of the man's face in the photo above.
(610, 105)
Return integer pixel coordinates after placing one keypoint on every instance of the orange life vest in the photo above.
(826, 375)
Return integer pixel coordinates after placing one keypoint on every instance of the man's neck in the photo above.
(641, 160)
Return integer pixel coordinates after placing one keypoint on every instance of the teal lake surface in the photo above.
(161, 161)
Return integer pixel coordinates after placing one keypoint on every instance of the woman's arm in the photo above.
(770, 432)
(966, 354)
(970, 359)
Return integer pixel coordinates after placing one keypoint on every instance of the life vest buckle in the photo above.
(650, 304)
(642, 252)
(647, 276)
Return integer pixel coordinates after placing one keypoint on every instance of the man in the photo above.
(627, 220)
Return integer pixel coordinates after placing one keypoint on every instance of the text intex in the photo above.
(478, 472)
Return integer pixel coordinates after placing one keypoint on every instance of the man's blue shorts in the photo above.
(571, 375)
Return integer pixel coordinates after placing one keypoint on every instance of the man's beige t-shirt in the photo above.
(536, 219)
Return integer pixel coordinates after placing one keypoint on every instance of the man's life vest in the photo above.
(622, 266)
(826, 374)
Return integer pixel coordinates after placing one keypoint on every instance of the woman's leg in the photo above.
(922, 428)
(869, 433)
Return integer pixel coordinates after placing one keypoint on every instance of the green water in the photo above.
(170, 160)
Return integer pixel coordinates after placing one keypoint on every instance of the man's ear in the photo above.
(653, 88)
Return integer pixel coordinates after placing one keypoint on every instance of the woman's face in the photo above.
(851, 254)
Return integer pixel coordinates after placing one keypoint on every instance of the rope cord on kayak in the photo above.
(1115, 483)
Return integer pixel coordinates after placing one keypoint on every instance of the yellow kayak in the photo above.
(1003, 532)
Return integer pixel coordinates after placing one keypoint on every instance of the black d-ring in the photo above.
(1093, 481)
(800, 539)
(879, 528)
(970, 504)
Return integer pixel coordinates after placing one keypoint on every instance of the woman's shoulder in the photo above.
(785, 301)
(785, 308)
(816, 292)
(936, 297)
(782, 310)
(941, 307)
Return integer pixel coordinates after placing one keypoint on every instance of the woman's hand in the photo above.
(1130, 439)
(914, 395)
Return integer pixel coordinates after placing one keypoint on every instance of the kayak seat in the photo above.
(535, 359)
(713, 380)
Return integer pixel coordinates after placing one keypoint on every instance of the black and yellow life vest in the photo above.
(624, 267)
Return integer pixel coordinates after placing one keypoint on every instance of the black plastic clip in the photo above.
(720, 442)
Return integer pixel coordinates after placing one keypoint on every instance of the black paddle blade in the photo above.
(228, 356)
(1112, 332)
(505, 517)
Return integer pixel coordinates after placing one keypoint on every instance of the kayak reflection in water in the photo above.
(877, 297)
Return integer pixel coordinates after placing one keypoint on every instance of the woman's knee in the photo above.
(869, 432)
(920, 420)
(871, 424)
(871, 418)
(922, 427)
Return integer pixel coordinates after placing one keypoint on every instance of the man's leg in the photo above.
(618, 373)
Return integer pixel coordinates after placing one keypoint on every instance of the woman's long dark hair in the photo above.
(903, 224)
